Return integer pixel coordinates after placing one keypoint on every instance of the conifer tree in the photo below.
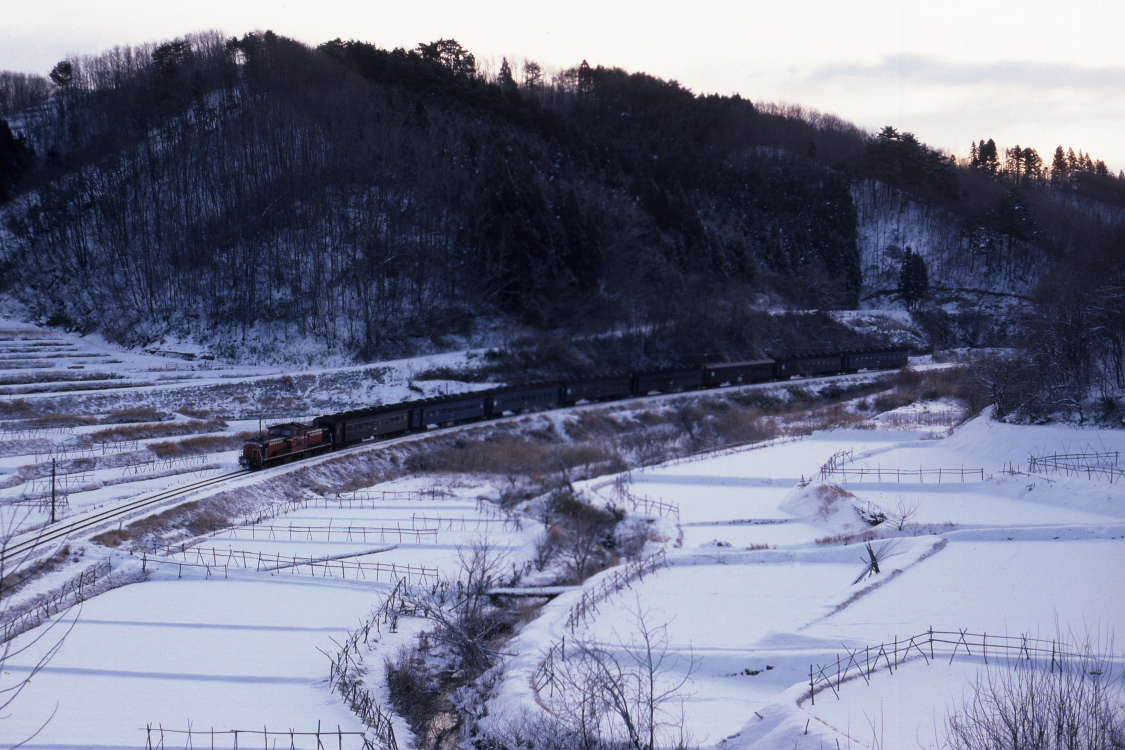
(913, 279)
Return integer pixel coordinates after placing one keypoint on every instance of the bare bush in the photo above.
(540, 732)
(579, 534)
(627, 694)
(466, 622)
(903, 513)
(414, 690)
(136, 414)
(1075, 702)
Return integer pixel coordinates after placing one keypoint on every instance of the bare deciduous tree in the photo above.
(904, 513)
(39, 647)
(466, 623)
(629, 693)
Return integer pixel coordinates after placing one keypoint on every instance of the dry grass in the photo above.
(866, 535)
(22, 575)
(112, 538)
(37, 371)
(156, 429)
(196, 412)
(829, 497)
(49, 421)
(910, 386)
(19, 408)
(196, 518)
(137, 414)
(201, 444)
(535, 454)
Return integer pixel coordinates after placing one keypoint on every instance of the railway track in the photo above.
(17, 548)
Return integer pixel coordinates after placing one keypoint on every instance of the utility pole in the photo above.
(53, 463)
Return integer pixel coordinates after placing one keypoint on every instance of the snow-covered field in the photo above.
(1012, 555)
(763, 544)
(235, 647)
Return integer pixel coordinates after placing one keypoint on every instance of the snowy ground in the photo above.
(101, 412)
(1014, 555)
(762, 554)
(233, 648)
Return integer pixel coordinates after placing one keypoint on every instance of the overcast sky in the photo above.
(1034, 73)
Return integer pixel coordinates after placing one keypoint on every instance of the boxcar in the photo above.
(876, 359)
(735, 373)
(812, 364)
(595, 389)
(523, 398)
(667, 380)
(448, 409)
(361, 424)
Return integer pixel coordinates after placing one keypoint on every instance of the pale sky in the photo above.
(1034, 73)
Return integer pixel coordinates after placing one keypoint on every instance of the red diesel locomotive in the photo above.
(285, 442)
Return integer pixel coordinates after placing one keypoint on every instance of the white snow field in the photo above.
(231, 647)
(1012, 555)
(762, 547)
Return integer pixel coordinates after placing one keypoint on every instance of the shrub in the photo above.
(112, 538)
(1071, 703)
(137, 414)
(414, 691)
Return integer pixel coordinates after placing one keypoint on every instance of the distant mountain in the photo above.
(370, 202)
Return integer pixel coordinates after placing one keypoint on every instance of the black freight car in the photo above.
(596, 389)
(736, 373)
(809, 364)
(876, 359)
(523, 398)
(448, 410)
(667, 381)
(353, 426)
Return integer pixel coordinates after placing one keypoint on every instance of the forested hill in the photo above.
(364, 199)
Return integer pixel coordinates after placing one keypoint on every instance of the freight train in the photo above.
(292, 440)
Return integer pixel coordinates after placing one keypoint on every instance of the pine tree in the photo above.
(1032, 165)
(1060, 171)
(988, 156)
(504, 78)
(913, 279)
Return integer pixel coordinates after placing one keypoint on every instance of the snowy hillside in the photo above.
(306, 598)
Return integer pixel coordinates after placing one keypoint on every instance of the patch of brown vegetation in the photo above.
(19, 408)
(156, 429)
(201, 444)
(829, 497)
(196, 412)
(196, 518)
(112, 538)
(507, 453)
(13, 582)
(136, 414)
(911, 386)
(866, 535)
(51, 421)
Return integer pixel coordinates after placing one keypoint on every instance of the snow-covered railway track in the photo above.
(16, 548)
